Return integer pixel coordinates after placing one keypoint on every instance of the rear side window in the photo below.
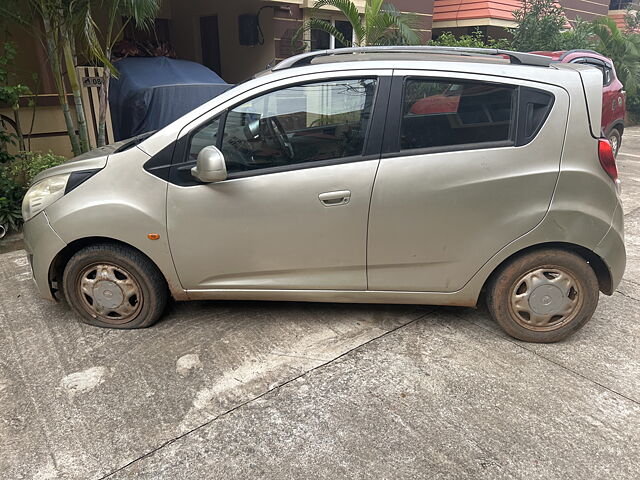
(439, 113)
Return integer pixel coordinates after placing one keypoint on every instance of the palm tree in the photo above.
(383, 24)
(141, 12)
(63, 22)
(623, 49)
(57, 17)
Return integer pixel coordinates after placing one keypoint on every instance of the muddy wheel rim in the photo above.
(545, 299)
(109, 293)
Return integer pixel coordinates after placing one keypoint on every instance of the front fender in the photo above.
(121, 202)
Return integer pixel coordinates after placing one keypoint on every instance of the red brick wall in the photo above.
(449, 10)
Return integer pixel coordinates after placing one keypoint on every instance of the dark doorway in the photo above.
(210, 43)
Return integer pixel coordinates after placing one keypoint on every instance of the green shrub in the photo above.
(15, 177)
(10, 201)
(539, 25)
(36, 162)
(474, 40)
(633, 109)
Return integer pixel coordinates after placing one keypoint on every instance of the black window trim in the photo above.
(371, 148)
(520, 137)
(222, 116)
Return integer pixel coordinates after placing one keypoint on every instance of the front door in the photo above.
(293, 212)
(470, 165)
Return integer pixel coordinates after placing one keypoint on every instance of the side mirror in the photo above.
(210, 166)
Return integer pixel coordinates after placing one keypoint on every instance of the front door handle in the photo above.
(333, 199)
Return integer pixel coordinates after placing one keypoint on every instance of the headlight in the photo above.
(43, 194)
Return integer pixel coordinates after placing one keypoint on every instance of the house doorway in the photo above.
(210, 39)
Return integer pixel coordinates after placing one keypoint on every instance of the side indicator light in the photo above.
(153, 236)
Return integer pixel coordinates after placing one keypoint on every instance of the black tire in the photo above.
(113, 272)
(516, 282)
(615, 138)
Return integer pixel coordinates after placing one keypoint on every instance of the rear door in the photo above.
(457, 184)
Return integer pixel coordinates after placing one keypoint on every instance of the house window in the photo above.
(322, 40)
(620, 4)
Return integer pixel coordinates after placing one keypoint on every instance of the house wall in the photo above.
(48, 131)
(422, 10)
(585, 9)
(237, 62)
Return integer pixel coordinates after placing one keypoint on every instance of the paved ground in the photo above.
(284, 390)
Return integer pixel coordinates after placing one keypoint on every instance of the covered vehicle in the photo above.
(150, 93)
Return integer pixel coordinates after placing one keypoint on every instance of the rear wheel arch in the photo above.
(605, 282)
(60, 261)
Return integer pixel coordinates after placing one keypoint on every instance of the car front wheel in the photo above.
(114, 286)
(544, 296)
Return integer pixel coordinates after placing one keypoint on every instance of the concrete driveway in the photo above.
(242, 390)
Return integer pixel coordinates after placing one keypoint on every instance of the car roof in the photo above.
(363, 57)
(413, 52)
(482, 61)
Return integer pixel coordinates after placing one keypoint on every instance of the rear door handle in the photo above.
(333, 199)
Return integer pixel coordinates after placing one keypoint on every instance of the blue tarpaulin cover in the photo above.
(150, 93)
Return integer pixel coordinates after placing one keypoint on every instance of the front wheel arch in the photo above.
(56, 269)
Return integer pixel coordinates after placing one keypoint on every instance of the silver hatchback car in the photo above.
(419, 175)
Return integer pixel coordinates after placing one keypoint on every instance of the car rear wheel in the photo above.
(543, 296)
(114, 286)
(615, 139)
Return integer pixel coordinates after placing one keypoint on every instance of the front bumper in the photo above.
(42, 244)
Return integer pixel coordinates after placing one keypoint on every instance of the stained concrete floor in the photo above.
(237, 390)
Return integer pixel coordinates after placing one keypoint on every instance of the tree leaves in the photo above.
(383, 24)
(539, 25)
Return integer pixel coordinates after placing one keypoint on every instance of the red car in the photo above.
(613, 94)
(445, 102)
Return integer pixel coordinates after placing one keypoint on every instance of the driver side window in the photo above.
(299, 124)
